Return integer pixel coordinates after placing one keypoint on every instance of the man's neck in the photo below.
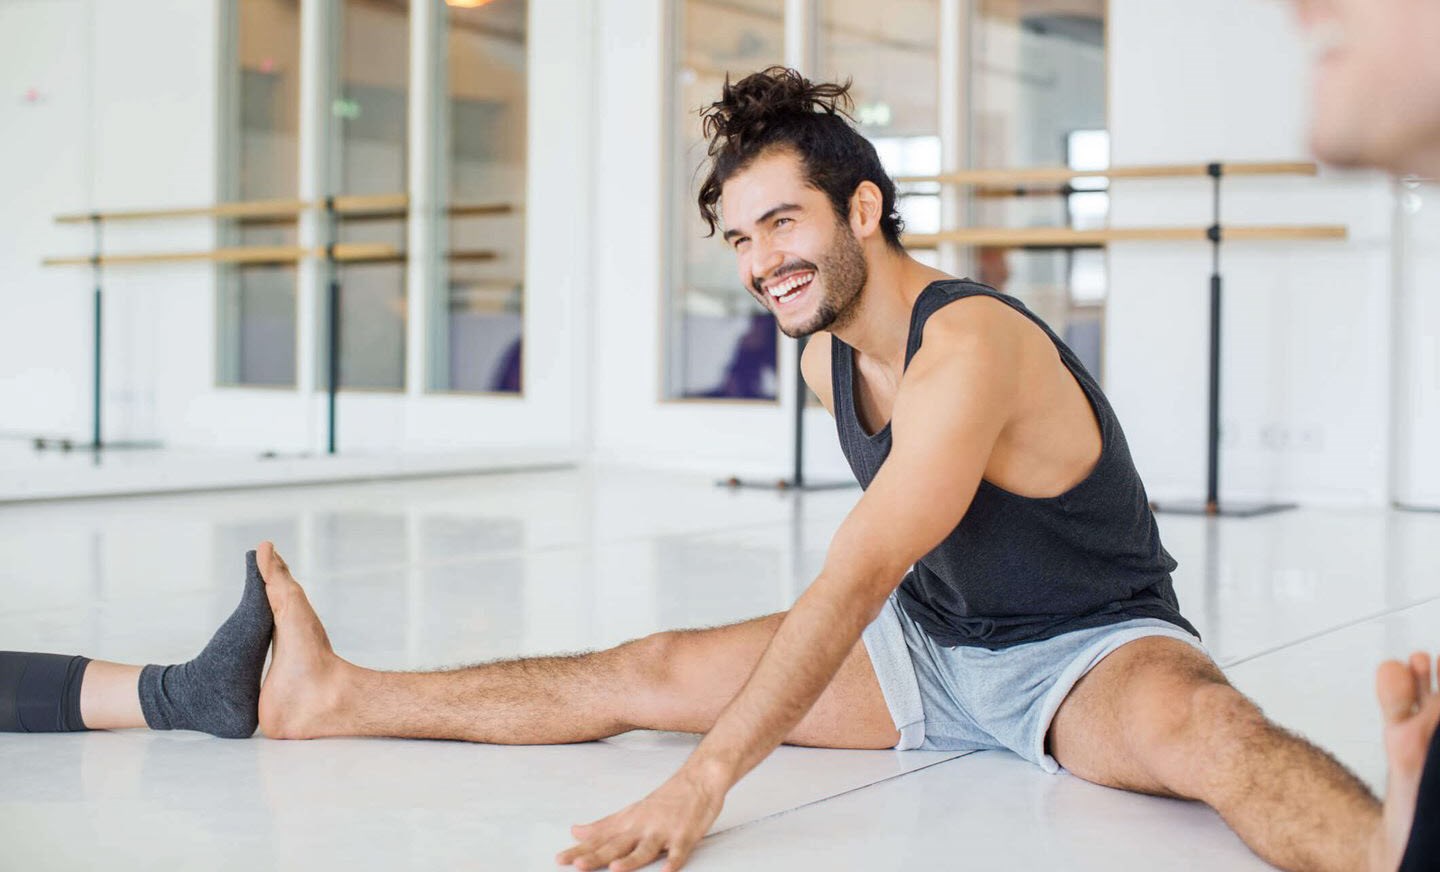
(880, 326)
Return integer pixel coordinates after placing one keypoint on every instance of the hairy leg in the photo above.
(1158, 717)
(669, 681)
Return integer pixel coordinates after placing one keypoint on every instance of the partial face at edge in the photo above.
(795, 256)
(1376, 82)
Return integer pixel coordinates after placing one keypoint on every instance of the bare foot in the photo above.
(1411, 708)
(302, 694)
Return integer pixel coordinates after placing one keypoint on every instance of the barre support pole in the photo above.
(1212, 450)
(1212, 506)
(797, 480)
(332, 332)
(95, 424)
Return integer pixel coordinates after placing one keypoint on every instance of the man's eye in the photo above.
(741, 241)
(780, 221)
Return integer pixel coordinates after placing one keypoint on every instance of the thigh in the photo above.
(705, 669)
(1120, 723)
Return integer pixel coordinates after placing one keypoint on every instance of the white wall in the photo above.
(1416, 358)
(44, 171)
(1306, 325)
(125, 117)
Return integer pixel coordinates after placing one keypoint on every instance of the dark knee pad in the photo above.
(40, 693)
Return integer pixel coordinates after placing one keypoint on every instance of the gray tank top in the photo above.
(1018, 569)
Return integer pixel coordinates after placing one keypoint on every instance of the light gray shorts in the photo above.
(973, 699)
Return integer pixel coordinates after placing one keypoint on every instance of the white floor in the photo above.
(409, 574)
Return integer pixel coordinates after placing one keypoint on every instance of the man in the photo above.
(1376, 103)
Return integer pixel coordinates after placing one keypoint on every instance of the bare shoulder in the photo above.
(815, 366)
(975, 333)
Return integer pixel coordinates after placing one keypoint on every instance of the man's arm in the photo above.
(955, 400)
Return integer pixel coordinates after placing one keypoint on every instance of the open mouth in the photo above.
(790, 289)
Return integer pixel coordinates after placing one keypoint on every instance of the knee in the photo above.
(1197, 715)
(650, 670)
(1191, 731)
(650, 662)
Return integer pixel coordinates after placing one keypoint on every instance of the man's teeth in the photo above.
(790, 287)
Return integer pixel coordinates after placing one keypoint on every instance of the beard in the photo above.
(843, 272)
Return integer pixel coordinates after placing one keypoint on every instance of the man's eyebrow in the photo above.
(770, 213)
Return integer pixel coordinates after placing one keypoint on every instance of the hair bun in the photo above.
(747, 107)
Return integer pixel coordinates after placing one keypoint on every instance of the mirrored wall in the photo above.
(475, 294)
(370, 151)
(719, 343)
(1038, 96)
(257, 302)
(476, 340)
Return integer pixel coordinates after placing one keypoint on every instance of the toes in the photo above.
(1396, 689)
(272, 565)
(1421, 667)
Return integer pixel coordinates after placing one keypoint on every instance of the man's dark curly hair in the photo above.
(777, 108)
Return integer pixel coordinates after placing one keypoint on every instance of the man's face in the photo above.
(1376, 82)
(795, 256)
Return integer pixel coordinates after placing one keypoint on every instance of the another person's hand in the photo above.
(671, 820)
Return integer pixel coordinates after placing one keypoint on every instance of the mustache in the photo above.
(785, 269)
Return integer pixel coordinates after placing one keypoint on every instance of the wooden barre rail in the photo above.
(374, 206)
(350, 252)
(1059, 175)
(1063, 236)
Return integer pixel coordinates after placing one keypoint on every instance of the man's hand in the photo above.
(673, 819)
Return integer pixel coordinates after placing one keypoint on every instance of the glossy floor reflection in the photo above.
(417, 574)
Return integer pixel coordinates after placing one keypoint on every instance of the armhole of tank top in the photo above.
(839, 376)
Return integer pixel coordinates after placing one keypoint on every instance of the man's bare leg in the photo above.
(668, 681)
(1158, 717)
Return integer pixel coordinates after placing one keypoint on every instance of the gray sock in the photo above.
(219, 691)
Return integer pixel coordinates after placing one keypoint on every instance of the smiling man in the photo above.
(1001, 584)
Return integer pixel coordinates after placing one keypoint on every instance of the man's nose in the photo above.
(764, 261)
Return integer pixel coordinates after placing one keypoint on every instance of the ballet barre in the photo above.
(282, 210)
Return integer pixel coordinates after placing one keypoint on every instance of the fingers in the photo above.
(600, 857)
(625, 852)
(679, 856)
(644, 853)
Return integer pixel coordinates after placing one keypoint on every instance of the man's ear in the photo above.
(866, 210)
